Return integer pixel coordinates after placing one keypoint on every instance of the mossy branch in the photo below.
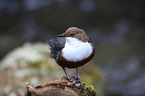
(60, 87)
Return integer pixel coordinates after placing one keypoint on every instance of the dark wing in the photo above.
(56, 45)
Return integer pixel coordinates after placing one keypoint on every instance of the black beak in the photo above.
(61, 35)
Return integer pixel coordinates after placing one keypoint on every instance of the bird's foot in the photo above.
(68, 78)
(78, 81)
(70, 81)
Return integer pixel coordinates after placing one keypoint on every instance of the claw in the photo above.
(67, 78)
(71, 81)
(78, 81)
(74, 77)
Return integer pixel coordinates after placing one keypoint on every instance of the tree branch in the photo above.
(60, 87)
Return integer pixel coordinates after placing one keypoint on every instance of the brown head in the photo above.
(75, 32)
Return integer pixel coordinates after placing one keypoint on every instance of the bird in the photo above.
(72, 49)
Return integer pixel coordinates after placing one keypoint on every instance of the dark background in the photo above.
(117, 28)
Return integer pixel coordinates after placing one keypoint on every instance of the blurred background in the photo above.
(117, 28)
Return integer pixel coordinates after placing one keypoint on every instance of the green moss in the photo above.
(88, 89)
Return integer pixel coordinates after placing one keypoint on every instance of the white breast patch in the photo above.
(76, 50)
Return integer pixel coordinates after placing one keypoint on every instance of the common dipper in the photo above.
(72, 49)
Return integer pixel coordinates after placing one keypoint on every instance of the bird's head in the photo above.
(75, 32)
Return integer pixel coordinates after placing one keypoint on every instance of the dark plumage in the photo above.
(68, 43)
(56, 45)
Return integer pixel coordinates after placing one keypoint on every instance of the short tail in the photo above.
(56, 45)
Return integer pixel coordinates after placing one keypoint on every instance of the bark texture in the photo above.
(60, 87)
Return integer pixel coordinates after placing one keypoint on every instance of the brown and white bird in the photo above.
(72, 49)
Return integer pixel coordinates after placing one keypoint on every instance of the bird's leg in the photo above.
(78, 77)
(67, 77)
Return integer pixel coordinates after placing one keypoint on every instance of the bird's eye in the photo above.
(72, 34)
